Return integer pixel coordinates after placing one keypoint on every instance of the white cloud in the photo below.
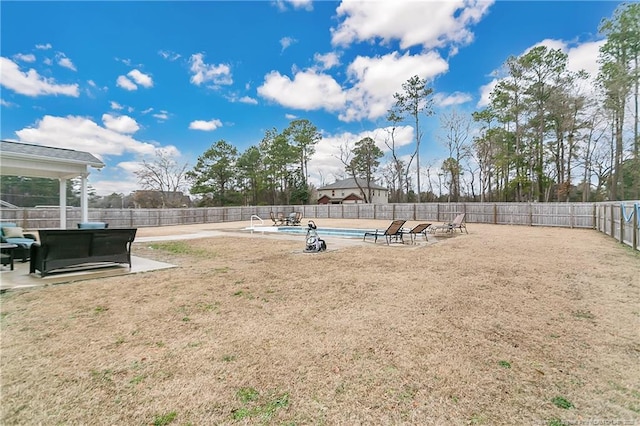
(161, 116)
(585, 57)
(427, 23)
(580, 56)
(307, 91)
(285, 42)
(209, 73)
(302, 4)
(327, 61)
(65, 62)
(116, 106)
(290, 116)
(455, 98)
(485, 93)
(126, 184)
(373, 83)
(377, 79)
(30, 83)
(45, 46)
(127, 62)
(125, 83)
(6, 104)
(140, 78)
(82, 134)
(248, 100)
(25, 57)
(169, 55)
(548, 43)
(147, 111)
(121, 124)
(296, 4)
(325, 166)
(92, 85)
(205, 125)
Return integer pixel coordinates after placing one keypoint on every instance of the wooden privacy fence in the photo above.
(618, 219)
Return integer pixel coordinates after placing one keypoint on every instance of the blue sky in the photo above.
(124, 79)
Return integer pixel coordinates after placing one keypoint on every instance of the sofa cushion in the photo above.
(18, 240)
(6, 225)
(93, 225)
(12, 232)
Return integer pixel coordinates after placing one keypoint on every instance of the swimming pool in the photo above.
(302, 230)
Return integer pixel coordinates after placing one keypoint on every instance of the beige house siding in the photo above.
(342, 193)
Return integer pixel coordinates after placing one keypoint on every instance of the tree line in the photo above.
(543, 125)
(547, 134)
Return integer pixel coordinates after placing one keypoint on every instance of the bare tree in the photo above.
(164, 175)
(397, 169)
(456, 138)
(415, 99)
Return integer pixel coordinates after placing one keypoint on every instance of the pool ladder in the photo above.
(255, 216)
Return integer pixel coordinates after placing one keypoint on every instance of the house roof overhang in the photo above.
(18, 159)
(353, 196)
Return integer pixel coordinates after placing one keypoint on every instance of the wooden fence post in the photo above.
(495, 214)
(571, 212)
(611, 225)
(621, 224)
(635, 222)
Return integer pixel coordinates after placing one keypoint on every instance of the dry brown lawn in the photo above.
(506, 325)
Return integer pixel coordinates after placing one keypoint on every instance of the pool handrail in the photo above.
(255, 216)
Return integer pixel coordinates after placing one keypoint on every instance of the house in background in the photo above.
(347, 192)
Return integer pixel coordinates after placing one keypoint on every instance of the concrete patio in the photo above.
(20, 278)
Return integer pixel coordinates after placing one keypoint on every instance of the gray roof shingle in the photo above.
(39, 151)
(350, 183)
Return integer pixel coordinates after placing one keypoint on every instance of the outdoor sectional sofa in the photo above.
(17, 237)
(80, 248)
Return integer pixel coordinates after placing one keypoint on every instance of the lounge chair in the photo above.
(277, 220)
(294, 218)
(394, 231)
(420, 228)
(457, 223)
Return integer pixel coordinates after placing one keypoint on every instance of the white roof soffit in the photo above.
(41, 168)
(55, 167)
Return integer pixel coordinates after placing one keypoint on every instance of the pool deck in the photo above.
(20, 278)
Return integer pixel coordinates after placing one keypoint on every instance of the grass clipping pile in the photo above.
(506, 325)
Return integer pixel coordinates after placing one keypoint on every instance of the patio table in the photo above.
(6, 253)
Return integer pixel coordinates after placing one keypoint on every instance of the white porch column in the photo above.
(84, 198)
(63, 204)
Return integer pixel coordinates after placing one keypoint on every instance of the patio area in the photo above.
(20, 278)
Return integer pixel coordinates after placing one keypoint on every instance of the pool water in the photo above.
(302, 230)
